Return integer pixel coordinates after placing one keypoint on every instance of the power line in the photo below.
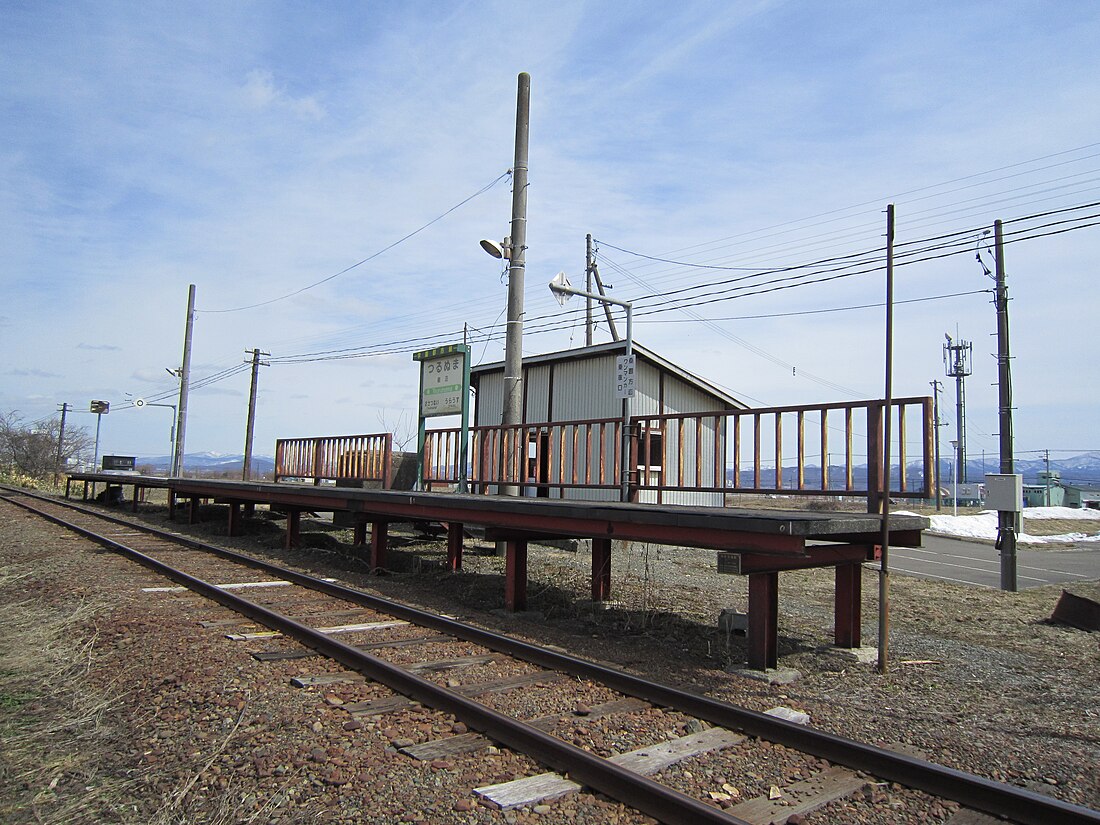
(380, 252)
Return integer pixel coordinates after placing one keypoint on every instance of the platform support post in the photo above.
(454, 546)
(601, 569)
(293, 529)
(250, 509)
(193, 510)
(359, 536)
(515, 575)
(379, 532)
(847, 608)
(171, 505)
(763, 620)
(234, 518)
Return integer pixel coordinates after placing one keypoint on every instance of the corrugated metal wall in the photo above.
(537, 388)
(490, 400)
(584, 389)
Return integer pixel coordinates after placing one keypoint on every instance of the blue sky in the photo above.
(253, 149)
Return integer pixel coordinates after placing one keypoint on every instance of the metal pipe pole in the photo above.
(624, 442)
(512, 412)
(185, 378)
(936, 424)
(884, 567)
(624, 492)
(95, 454)
(1006, 520)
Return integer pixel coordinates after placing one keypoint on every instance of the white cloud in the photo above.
(262, 149)
(261, 93)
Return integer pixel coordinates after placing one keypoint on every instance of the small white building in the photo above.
(579, 384)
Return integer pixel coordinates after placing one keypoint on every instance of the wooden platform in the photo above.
(757, 543)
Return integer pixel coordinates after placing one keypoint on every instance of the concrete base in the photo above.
(790, 714)
(778, 676)
(862, 655)
(733, 622)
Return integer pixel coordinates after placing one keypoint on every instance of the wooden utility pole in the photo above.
(185, 379)
(246, 471)
(1006, 520)
(64, 408)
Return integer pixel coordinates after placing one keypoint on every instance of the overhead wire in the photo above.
(371, 257)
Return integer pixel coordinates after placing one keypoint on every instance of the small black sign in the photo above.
(118, 462)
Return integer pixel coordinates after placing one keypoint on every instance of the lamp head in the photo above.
(495, 249)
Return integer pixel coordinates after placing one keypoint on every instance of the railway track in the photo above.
(499, 689)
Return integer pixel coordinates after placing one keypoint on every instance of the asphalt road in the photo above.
(967, 562)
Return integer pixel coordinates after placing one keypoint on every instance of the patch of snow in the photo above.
(1079, 513)
(984, 526)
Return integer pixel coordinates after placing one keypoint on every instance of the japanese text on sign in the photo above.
(624, 375)
(441, 386)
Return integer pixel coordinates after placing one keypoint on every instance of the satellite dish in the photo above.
(139, 402)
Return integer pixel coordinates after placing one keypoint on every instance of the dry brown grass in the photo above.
(53, 719)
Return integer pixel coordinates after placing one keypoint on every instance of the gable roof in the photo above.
(643, 353)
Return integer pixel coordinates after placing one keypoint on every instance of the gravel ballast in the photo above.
(121, 708)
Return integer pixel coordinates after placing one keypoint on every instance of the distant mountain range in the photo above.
(1082, 468)
(208, 463)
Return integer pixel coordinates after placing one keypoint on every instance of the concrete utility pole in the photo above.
(246, 471)
(936, 385)
(185, 378)
(1006, 520)
(512, 413)
(588, 263)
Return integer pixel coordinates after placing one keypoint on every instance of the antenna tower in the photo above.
(956, 362)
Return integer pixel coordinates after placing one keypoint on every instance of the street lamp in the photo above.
(563, 291)
(100, 409)
(141, 403)
(955, 479)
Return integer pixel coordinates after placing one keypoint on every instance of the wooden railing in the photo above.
(336, 458)
(815, 449)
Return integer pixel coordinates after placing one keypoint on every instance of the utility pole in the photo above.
(1006, 520)
(588, 266)
(888, 414)
(64, 408)
(185, 378)
(1046, 496)
(956, 361)
(936, 385)
(246, 472)
(606, 306)
(512, 412)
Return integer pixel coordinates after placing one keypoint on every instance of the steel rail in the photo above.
(632, 789)
(972, 791)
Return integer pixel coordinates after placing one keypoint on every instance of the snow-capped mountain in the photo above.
(208, 463)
